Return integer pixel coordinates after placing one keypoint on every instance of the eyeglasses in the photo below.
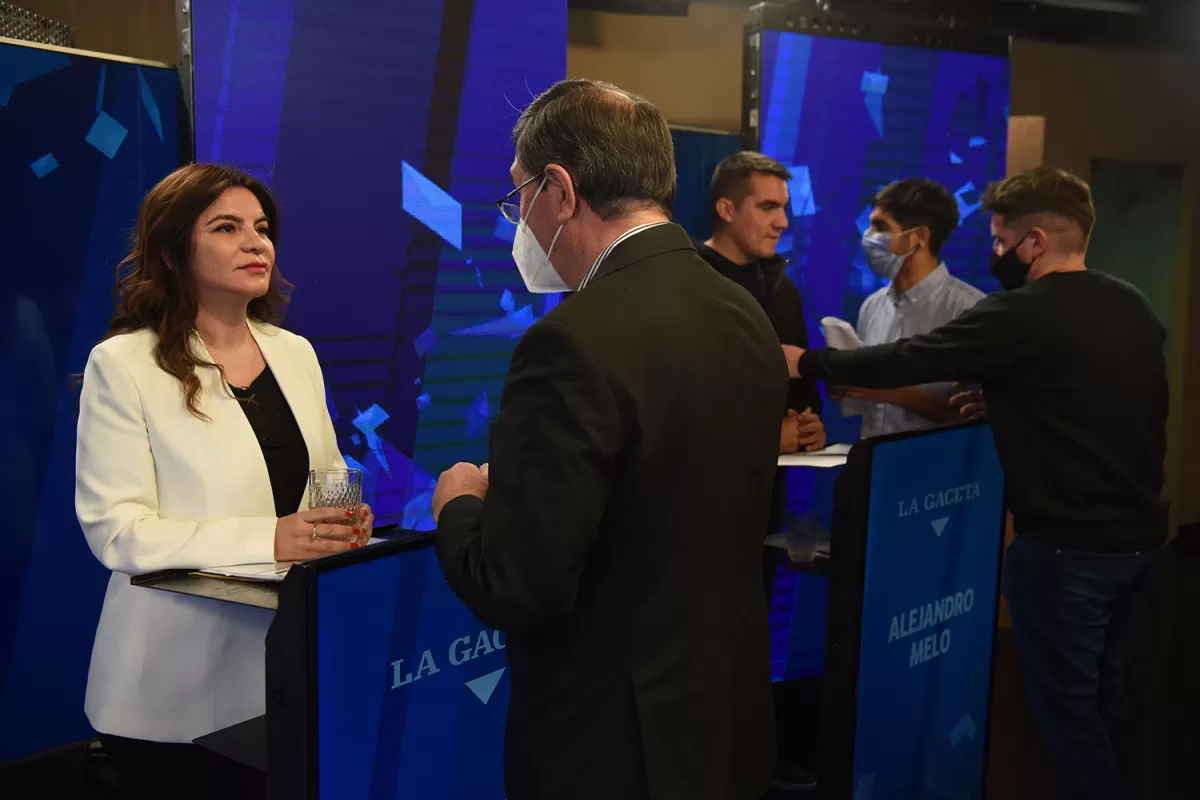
(512, 211)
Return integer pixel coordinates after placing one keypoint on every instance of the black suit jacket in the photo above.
(620, 544)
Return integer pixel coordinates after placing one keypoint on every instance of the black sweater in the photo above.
(768, 282)
(1074, 374)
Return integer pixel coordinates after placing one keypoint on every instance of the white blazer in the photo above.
(157, 488)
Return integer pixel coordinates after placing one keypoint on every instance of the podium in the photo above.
(918, 529)
(379, 682)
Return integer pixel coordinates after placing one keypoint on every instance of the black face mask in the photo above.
(1009, 269)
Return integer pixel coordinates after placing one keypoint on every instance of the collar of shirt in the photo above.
(604, 254)
(923, 290)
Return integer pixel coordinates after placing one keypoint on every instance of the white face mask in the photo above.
(539, 274)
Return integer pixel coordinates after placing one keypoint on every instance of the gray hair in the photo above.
(614, 144)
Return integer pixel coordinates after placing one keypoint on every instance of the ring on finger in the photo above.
(313, 535)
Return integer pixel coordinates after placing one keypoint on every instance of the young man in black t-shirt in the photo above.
(1072, 367)
(749, 202)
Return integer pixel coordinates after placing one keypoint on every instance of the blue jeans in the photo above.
(1072, 614)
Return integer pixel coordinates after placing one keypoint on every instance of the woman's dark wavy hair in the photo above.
(156, 286)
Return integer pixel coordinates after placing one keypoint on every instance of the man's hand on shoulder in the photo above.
(461, 480)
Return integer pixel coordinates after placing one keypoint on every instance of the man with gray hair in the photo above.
(634, 454)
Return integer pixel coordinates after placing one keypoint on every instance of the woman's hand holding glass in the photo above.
(318, 532)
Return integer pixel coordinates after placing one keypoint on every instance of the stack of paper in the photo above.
(832, 456)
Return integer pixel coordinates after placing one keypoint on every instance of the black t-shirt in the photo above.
(279, 437)
(1074, 373)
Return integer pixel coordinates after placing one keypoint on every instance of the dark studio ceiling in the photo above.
(1109, 23)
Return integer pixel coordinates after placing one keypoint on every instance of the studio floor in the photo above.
(1164, 685)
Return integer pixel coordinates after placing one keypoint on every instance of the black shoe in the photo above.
(794, 777)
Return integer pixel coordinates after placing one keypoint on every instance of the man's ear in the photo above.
(1040, 240)
(924, 237)
(725, 209)
(561, 188)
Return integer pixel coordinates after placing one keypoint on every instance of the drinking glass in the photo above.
(337, 488)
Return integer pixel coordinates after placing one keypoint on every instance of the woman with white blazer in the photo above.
(198, 425)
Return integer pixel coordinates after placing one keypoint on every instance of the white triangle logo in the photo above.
(484, 686)
(939, 525)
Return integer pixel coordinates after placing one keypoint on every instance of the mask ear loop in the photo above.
(554, 241)
(915, 249)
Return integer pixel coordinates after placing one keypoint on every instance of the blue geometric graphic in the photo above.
(874, 83)
(966, 209)
(44, 165)
(106, 135)
(149, 103)
(507, 301)
(955, 158)
(785, 244)
(978, 141)
(431, 205)
(511, 326)
(874, 87)
(367, 421)
(505, 231)
(426, 341)
(20, 64)
(801, 190)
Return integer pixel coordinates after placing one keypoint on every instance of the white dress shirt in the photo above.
(888, 316)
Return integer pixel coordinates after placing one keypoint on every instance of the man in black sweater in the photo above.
(1072, 366)
(749, 204)
(749, 198)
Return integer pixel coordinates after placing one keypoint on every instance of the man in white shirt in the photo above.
(911, 221)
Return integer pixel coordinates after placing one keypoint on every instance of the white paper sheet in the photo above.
(840, 335)
(249, 572)
(272, 571)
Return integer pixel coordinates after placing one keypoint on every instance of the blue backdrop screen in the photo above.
(849, 117)
(81, 140)
(384, 130)
(412, 698)
(929, 615)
